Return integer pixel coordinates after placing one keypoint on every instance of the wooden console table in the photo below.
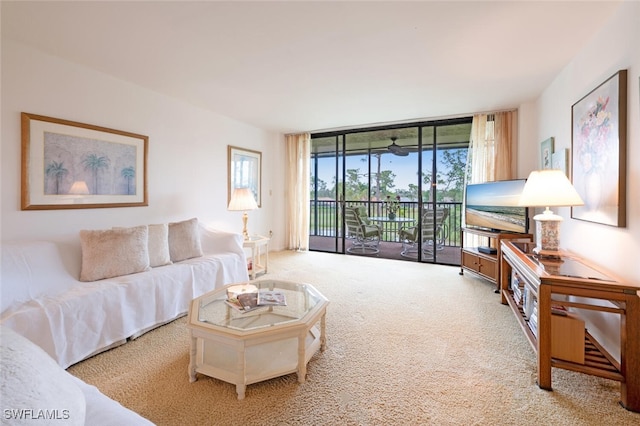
(572, 282)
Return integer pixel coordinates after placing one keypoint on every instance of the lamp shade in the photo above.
(79, 187)
(242, 199)
(547, 188)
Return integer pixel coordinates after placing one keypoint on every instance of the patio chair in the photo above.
(366, 237)
(434, 234)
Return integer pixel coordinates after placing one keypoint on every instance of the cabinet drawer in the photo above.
(470, 261)
(488, 267)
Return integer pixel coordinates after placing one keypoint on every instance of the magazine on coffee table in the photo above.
(233, 302)
(271, 298)
(244, 302)
(249, 301)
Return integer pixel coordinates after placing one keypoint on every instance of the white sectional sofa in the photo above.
(36, 390)
(47, 296)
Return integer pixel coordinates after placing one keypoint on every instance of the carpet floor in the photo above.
(407, 344)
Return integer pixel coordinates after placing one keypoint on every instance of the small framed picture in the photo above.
(560, 160)
(546, 152)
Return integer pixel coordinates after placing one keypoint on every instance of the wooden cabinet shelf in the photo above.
(573, 284)
(486, 264)
(596, 358)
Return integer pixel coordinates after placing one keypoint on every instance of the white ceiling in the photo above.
(304, 66)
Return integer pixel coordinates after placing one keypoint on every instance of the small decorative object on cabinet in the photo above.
(259, 260)
(483, 260)
(556, 288)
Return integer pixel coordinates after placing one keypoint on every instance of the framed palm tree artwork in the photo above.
(70, 165)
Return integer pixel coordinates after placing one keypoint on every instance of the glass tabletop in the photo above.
(564, 266)
(300, 299)
(396, 219)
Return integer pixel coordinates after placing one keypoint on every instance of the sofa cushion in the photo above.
(31, 269)
(114, 252)
(184, 240)
(34, 387)
(159, 245)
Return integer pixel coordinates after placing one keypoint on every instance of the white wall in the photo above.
(612, 49)
(615, 47)
(187, 163)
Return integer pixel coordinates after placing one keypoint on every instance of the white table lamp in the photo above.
(242, 200)
(79, 187)
(548, 188)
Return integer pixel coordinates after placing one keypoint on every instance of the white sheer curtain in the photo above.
(298, 152)
(492, 151)
(492, 148)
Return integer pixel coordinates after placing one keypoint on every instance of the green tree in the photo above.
(449, 177)
(451, 182)
(94, 163)
(410, 194)
(355, 188)
(128, 173)
(56, 171)
(386, 180)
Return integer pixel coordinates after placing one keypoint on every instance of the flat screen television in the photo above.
(494, 206)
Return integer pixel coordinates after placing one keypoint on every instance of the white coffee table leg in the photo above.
(241, 378)
(240, 390)
(192, 359)
(323, 336)
(302, 365)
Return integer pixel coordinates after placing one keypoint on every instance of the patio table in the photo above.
(393, 226)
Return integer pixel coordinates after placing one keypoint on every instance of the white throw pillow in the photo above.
(114, 252)
(34, 389)
(184, 240)
(159, 245)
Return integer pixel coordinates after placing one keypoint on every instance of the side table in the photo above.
(259, 260)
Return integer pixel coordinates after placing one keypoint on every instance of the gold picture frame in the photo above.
(71, 165)
(244, 171)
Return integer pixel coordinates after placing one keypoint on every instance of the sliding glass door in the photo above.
(406, 180)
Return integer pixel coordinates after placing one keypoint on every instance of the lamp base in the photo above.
(245, 233)
(547, 232)
(547, 254)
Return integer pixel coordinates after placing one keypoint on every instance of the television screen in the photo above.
(494, 206)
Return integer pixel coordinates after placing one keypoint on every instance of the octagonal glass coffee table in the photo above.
(248, 347)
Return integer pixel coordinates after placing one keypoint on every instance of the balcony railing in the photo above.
(326, 219)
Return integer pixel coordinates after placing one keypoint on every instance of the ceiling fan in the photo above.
(397, 149)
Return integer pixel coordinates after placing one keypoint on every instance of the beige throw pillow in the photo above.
(115, 252)
(184, 240)
(159, 245)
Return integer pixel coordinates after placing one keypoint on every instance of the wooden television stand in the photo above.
(486, 264)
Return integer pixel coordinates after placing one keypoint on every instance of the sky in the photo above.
(405, 168)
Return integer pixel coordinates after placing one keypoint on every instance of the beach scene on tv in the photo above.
(494, 206)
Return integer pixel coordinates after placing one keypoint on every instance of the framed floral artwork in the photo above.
(598, 152)
(71, 165)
